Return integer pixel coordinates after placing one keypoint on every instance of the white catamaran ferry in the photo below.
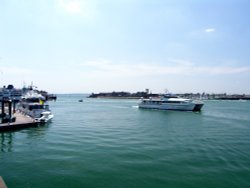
(170, 102)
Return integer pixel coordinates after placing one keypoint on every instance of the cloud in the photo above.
(83, 7)
(71, 6)
(209, 30)
(172, 67)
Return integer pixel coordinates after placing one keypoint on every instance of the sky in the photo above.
(85, 46)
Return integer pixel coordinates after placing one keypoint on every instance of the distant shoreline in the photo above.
(138, 95)
(102, 97)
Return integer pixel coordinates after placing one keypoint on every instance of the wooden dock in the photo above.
(22, 121)
(2, 184)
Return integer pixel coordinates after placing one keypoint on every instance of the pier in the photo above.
(12, 119)
(21, 121)
(2, 184)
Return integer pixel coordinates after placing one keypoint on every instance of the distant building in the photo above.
(10, 92)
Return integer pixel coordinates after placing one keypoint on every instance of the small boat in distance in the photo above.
(171, 102)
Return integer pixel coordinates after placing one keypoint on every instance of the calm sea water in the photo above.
(112, 143)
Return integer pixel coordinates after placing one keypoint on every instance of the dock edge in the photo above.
(2, 184)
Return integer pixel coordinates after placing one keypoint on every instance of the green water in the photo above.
(112, 143)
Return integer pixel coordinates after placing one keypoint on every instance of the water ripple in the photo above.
(112, 143)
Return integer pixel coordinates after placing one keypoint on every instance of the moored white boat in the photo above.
(170, 102)
(46, 117)
(35, 106)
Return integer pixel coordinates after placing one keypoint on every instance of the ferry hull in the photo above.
(178, 107)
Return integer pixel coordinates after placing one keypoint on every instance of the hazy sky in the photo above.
(81, 46)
